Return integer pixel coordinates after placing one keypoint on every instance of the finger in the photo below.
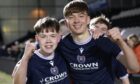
(27, 42)
(94, 36)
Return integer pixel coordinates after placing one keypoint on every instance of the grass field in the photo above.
(5, 78)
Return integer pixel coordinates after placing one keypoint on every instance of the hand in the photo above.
(29, 49)
(96, 33)
(114, 34)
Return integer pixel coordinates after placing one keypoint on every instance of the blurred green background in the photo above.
(5, 78)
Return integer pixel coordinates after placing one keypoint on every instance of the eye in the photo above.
(70, 17)
(104, 29)
(96, 26)
(42, 35)
(81, 15)
(53, 35)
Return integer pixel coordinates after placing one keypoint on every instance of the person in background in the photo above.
(134, 42)
(102, 24)
(64, 30)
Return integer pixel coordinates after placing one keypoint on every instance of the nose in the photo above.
(76, 20)
(48, 39)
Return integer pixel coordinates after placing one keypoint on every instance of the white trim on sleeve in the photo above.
(125, 76)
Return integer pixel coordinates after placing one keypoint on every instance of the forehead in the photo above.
(78, 13)
(48, 30)
(102, 25)
(47, 33)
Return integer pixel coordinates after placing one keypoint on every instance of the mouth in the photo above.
(48, 46)
(77, 28)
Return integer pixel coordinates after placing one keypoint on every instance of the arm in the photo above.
(20, 73)
(125, 81)
(129, 58)
(120, 72)
(15, 68)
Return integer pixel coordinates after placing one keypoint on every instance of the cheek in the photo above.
(85, 20)
(41, 41)
(58, 39)
(104, 31)
(130, 43)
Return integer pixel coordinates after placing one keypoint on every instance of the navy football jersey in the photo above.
(42, 71)
(119, 70)
(89, 63)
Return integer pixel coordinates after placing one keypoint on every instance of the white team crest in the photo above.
(81, 59)
(54, 70)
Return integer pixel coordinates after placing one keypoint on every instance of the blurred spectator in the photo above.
(9, 51)
(101, 25)
(15, 51)
(64, 30)
(3, 51)
(134, 42)
(21, 47)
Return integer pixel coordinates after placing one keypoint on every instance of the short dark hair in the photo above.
(62, 22)
(134, 38)
(131, 36)
(101, 19)
(75, 6)
(47, 23)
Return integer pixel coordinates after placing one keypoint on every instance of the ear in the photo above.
(36, 38)
(66, 22)
(88, 19)
(59, 37)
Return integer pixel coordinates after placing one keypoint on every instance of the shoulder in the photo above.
(104, 42)
(67, 40)
(65, 37)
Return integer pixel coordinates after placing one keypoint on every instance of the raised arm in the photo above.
(20, 72)
(129, 58)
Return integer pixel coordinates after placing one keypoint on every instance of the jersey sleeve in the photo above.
(115, 50)
(119, 69)
(28, 78)
(107, 46)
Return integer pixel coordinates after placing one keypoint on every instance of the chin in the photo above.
(48, 51)
(79, 33)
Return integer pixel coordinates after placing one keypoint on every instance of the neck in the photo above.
(45, 54)
(46, 57)
(81, 37)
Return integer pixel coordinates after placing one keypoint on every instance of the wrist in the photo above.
(25, 58)
(121, 42)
